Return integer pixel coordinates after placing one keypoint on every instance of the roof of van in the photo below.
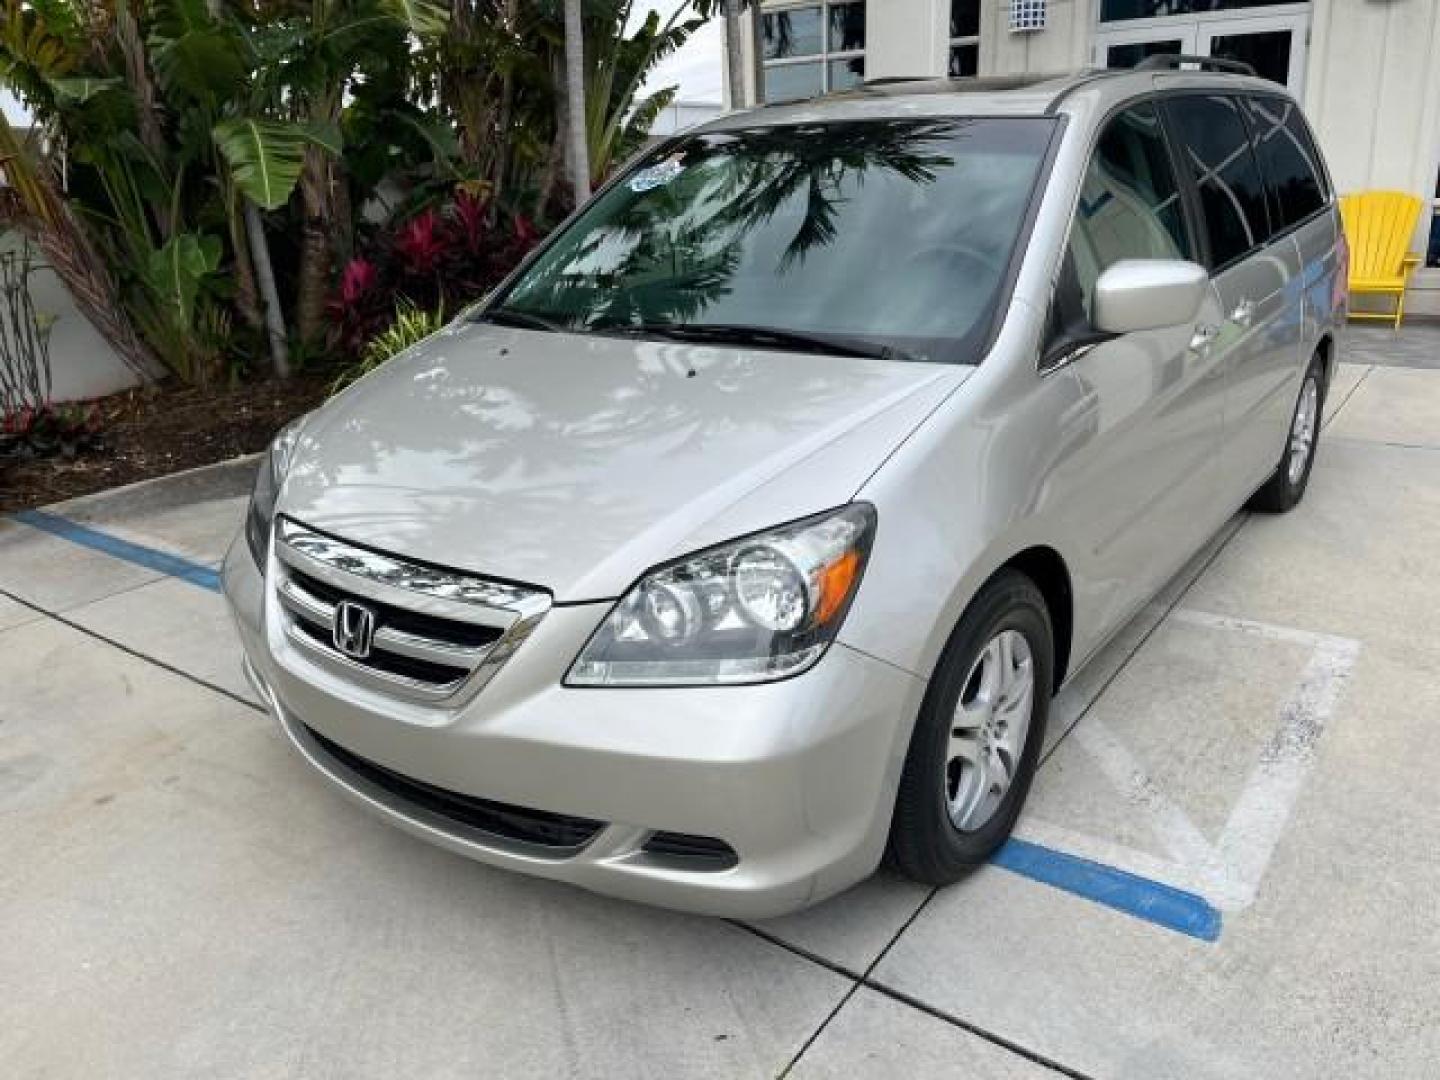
(990, 95)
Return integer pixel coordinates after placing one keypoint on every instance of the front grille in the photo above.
(446, 631)
(435, 632)
(562, 833)
(692, 852)
(403, 667)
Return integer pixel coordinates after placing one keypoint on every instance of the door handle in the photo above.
(1204, 336)
(1244, 313)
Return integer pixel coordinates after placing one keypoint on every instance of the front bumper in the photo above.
(798, 776)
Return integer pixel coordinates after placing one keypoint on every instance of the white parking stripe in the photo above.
(1229, 872)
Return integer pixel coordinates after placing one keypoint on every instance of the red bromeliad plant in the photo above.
(420, 245)
(358, 311)
(469, 214)
(37, 431)
(439, 259)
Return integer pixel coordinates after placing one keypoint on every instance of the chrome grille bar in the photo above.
(321, 614)
(438, 633)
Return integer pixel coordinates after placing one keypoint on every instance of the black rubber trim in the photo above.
(564, 834)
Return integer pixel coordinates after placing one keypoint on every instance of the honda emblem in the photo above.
(353, 629)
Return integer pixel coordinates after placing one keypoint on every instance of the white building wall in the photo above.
(82, 365)
(906, 38)
(1064, 44)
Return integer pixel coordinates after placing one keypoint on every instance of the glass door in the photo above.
(1274, 46)
(1126, 48)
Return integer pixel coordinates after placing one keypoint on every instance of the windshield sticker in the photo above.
(659, 174)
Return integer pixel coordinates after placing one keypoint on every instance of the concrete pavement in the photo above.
(182, 896)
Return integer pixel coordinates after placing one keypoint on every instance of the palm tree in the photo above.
(619, 118)
(734, 62)
(575, 101)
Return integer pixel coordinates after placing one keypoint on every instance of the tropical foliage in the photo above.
(228, 187)
(411, 325)
(438, 260)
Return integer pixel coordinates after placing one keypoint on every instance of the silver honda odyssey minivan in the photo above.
(741, 538)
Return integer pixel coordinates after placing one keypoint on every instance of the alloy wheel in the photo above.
(989, 729)
(1302, 430)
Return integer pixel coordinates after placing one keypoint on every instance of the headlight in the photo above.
(753, 610)
(273, 468)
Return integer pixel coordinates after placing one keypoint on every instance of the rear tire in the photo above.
(977, 740)
(1286, 486)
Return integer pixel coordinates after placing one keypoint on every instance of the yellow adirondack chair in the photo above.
(1379, 225)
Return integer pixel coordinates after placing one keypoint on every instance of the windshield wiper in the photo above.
(763, 336)
(503, 316)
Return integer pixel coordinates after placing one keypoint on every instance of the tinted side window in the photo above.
(1216, 147)
(1130, 206)
(1287, 159)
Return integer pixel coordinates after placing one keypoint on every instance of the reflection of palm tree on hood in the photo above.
(667, 275)
(542, 457)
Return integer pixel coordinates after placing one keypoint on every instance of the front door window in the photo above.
(1129, 208)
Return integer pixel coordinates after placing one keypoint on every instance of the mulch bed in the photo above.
(147, 433)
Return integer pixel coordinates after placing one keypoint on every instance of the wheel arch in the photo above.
(1046, 568)
(1325, 349)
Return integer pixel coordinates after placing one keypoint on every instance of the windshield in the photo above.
(884, 237)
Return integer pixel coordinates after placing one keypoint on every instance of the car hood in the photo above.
(576, 462)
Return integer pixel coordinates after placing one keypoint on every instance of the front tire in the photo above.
(1286, 486)
(977, 739)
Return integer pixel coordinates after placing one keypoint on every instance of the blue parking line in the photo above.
(162, 562)
(1152, 901)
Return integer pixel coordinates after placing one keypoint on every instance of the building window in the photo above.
(1432, 253)
(1121, 10)
(964, 37)
(811, 49)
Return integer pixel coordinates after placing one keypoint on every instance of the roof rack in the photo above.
(891, 80)
(1175, 61)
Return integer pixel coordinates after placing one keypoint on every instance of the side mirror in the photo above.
(1148, 294)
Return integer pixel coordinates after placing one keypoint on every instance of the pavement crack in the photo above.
(864, 979)
(1032, 1056)
(798, 950)
(137, 654)
(1335, 412)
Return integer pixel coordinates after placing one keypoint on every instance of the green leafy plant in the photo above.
(266, 156)
(411, 326)
(618, 119)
